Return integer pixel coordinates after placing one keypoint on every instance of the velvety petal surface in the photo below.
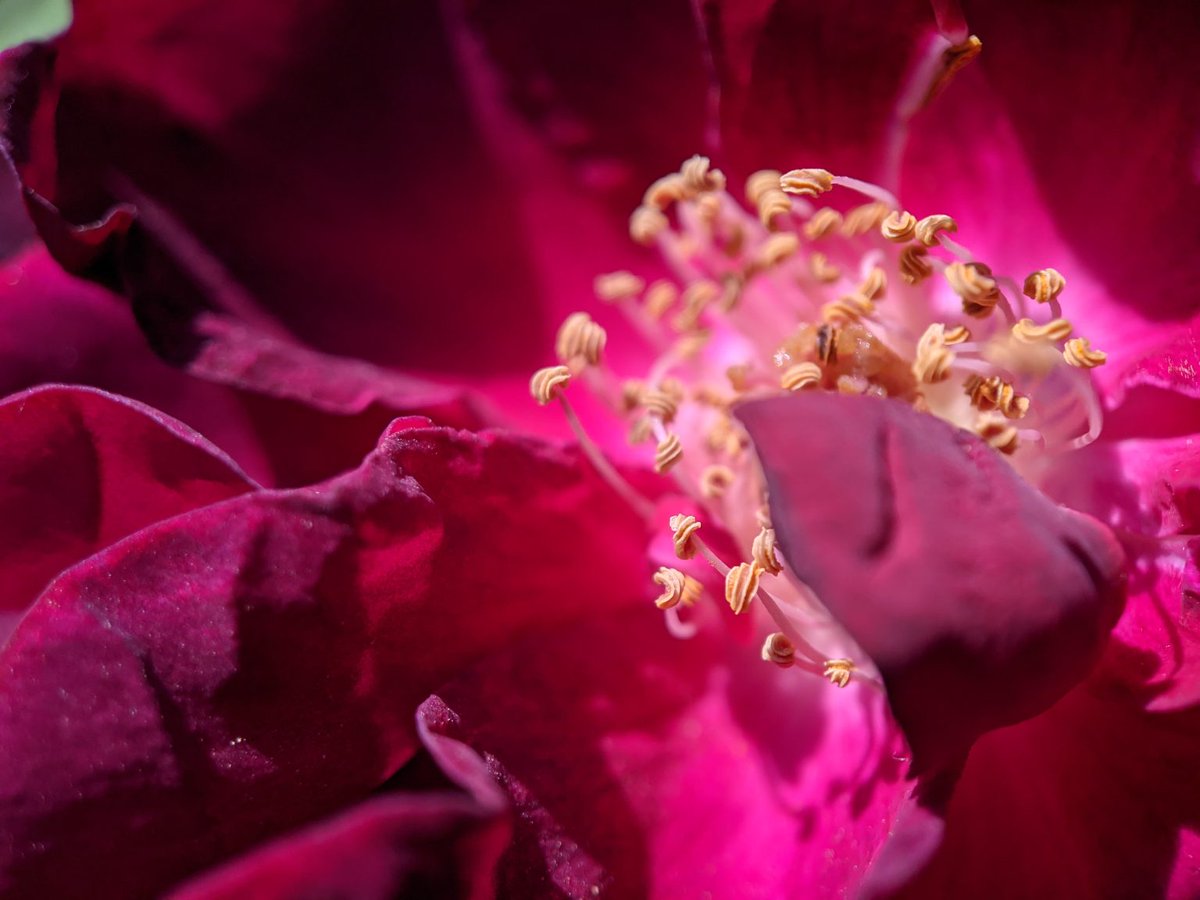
(253, 665)
(980, 601)
(642, 765)
(80, 469)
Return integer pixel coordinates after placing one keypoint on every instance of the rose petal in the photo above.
(80, 469)
(253, 665)
(980, 601)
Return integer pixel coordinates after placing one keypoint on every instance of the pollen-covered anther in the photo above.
(677, 588)
(667, 453)
(998, 434)
(806, 182)
(959, 334)
(1053, 331)
(763, 551)
(660, 297)
(580, 338)
(775, 249)
(933, 359)
(928, 229)
(822, 269)
(824, 222)
(666, 191)
(660, 403)
(616, 286)
(715, 481)
(899, 226)
(699, 176)
(1078, 352)
(801, 376)
(647, 223)
(865, 218)
(995, 393)
(546, 384)
(741, 584)
(914, 264)
(779, 649)
(762, 189)
(1044, 285)
(838, 671)
(684, 527)
(846, 309)
(973, 282)
(696, 297)
(874, 286)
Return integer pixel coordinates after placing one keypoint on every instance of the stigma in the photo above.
(810, 281)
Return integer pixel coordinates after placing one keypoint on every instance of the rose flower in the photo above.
(867, 571)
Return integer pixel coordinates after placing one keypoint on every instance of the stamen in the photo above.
(914, 265)
(1044, 285)
(580, 338)
(974, 284)
(774, 250)
(838, 671)
(899, 226)
(660, 403)
(846, 309)
(696, 296)
(806, 182)
(647, 223)
(763, 551)
(994, 393)
(677, 588)
(741, 584)
(668, 190)
(715, 481)
(867, 217)
(934, 361)
(927, 229)
(546, 384)
(875, 284)
(1078, 352)
(660, 297)
(697, 175)
(1053, 331)
(822, 269)
(824, 222)
(618, 286)
(801, 377)
(684, 528)
(762, 189)
(667, 453)
(998, 434)
(779, 649)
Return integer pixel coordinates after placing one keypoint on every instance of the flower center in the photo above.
(785, 294)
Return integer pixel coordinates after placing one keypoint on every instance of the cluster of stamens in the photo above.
(791, 296)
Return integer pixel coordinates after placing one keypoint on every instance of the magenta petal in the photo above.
(254, 664)
(980, 601)
(80, 469)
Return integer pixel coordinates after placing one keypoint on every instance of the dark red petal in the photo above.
(980, 601)
(432, 843)
(255, 664)
(80, 469)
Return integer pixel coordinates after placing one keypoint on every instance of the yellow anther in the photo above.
(838, 671)
(759, 183)
(899, 226)
(928, 228)
(998, 434)
(763, 551)
(959, 334)
(647, 223)
(822, 269)
(865, 218)
(971, 281)
(801, 377)
(914, 264)
(1029, 333)
(824, 222)
(953, 60)
(631, 394)
(806, 182)
(698, 176)
(1044, 285)
(667, 454)
(846, 309)
(660, 297)
(741, 584)
(696, 296)
(677, 588)
(617, 286)
(1078, 352)
(775, 249)
(762, 189)
(874, 286)
(673, 388)
(640, 431)
(667, 190)
(933, 360)
(827, 343)
(709, 207)
(580, 338)
(708, 395)
(731, 291)
(547, 383)
(715, 481)
(995, 393)
(684, 527)
(738, 376)
(779, 649)
(660, 404)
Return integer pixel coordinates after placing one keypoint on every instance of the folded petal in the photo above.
(254, 664)
(80, 469)
(980, 601)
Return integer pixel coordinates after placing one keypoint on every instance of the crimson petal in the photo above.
(980, 601)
